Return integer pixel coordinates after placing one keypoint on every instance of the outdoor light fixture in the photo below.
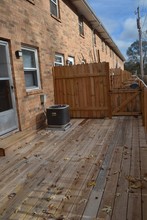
(18, 53)
(43, 99)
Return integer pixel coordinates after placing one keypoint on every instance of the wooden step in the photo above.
(12, 142)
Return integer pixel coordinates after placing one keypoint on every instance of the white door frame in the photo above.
(8, 117)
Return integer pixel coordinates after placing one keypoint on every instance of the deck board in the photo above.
(78, 174)
(120, 203)
(134, 197)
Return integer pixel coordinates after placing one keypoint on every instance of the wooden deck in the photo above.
(95, 170)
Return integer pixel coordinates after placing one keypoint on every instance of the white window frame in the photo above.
(56, 63)
(56, 3)
(71, 60)
(38, 86)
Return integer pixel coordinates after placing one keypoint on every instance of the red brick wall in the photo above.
(22, 23)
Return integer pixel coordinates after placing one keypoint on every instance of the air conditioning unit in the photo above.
(58, 116)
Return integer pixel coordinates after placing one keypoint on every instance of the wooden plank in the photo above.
(126, 113)
(122, 91)
(93, 204)
(80, 76)
(111, 184)
(143, 162)
(120, 204)
(143, 154)
(89, 108)
(134, 199)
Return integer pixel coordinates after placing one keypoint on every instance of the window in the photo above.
(54, 8)
(94, 37)
(31, 69)
(59, 60)
(106, 48)
(81, 26)
(102, 46)
(110, 52)
(71, 60)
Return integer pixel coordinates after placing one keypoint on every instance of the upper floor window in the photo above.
(54, 8)
(106, 48)
(94, 37)
(31, 68)
(81, 26)
(102, 46)
(70, 60)
(59, 60)
(110, 52)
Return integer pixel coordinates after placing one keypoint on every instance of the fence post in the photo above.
(108, 89)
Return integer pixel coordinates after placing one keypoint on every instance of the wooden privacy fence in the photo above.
(85, 88)
(92, 91)
(118, 77)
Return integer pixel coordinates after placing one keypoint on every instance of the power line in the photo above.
(144, 35)
(142, 5)
(145, 20)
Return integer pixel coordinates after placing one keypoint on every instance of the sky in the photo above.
(119, 19)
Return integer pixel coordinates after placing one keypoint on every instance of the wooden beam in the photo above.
(126, 113)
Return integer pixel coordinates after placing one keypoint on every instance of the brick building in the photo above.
(34, 36)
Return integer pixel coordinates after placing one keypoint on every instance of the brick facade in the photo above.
(29, 23)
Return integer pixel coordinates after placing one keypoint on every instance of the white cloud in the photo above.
(110, 24)
(128, 35)
(129, 31)
(123, 45)
(143, 3)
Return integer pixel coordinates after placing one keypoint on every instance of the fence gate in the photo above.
(85, 88)
(126, 102)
